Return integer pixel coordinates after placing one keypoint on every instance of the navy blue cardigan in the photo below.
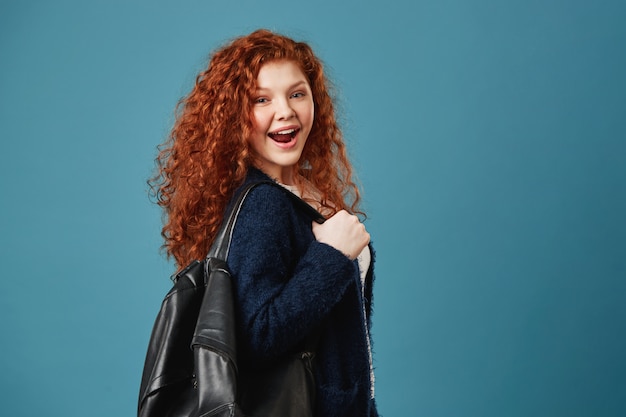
(288, 284)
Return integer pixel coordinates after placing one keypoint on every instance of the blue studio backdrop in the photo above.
(489, 137)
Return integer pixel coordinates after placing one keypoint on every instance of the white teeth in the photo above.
(285, 132)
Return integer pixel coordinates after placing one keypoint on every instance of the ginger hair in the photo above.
(207, 154)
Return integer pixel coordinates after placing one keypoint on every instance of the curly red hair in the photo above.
(207, 154)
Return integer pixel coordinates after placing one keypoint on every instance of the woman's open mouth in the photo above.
(284, 136)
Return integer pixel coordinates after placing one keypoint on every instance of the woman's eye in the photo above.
(297, 95)
(261, 100)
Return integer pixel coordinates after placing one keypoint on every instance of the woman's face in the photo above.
(282, 115)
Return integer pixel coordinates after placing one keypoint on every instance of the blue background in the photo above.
(490, 140)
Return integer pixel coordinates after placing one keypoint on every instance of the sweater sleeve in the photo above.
(286, 283)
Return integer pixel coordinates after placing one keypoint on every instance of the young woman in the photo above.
(262, 111)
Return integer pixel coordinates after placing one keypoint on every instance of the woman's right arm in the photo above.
(280, 298)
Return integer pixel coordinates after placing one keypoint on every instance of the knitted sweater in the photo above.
(287, 284)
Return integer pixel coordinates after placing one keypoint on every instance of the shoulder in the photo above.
(264, 227)
(270, 205)
(266, 198)
(266, 208)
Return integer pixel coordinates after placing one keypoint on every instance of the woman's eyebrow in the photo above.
(291, 87)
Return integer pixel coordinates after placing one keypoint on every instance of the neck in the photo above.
(283, 175)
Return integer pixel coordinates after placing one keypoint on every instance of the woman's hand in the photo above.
(344, 232)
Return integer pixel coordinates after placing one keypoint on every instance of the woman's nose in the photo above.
(284, 110)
